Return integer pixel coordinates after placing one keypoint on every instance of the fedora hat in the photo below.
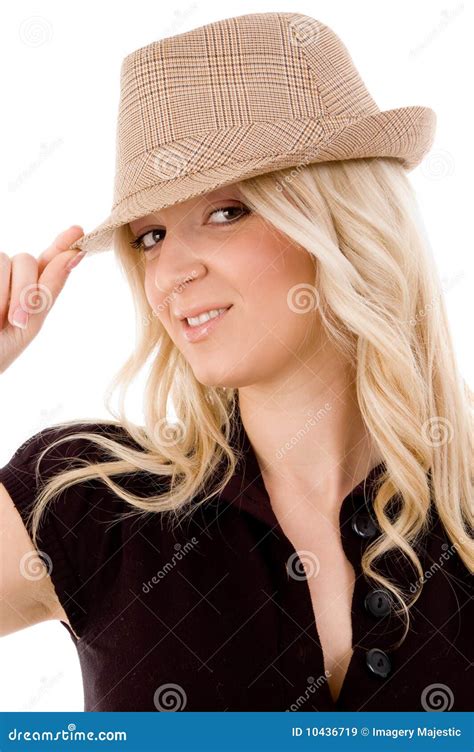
(241, 97)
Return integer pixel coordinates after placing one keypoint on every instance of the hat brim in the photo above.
(406, 134)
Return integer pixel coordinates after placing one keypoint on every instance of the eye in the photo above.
(242, 209)
(139, 242)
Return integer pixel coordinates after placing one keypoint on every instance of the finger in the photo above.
(23, 287)
(5, 276)
(60, 244)
(54, 277)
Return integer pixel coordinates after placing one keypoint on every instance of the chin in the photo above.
(229, 378)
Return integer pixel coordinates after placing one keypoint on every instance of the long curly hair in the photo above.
(381, 303)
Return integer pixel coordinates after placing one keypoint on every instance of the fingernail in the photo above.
(20, 317)
(74, 262)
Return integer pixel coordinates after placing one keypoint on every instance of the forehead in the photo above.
(228, 191)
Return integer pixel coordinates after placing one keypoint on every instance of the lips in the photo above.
(195, 333)
(196, 311)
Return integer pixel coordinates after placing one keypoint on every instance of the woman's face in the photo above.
(229, 256)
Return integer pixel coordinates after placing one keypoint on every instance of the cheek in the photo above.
(150, 288)
(155, 296)
(281, 286)
(157, 300)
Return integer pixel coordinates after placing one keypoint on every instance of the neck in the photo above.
(309, 437)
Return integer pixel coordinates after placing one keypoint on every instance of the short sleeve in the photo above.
(73, 541)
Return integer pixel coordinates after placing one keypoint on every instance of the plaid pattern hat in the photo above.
(241, 97)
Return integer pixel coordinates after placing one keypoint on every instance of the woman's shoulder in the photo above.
(57, 449)
(79, 535)
(74, 438)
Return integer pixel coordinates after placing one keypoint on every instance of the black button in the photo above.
(363, 524)
(378, 602)
(378, 662)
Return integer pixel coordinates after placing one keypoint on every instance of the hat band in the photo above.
(226, 146)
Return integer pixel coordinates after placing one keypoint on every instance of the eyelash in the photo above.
(138, 242)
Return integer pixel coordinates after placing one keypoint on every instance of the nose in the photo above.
(178, 264)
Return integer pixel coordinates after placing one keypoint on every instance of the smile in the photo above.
(196, 333)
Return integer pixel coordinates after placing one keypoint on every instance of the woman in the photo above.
(321, 452)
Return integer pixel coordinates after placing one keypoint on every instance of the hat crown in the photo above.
(242, 97)
(252, 69)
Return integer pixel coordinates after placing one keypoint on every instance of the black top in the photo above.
(216, 614)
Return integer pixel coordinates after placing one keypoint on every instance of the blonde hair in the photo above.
(380, 301)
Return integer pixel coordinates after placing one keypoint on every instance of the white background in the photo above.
(59, 88)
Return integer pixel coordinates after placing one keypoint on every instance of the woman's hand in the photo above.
(29, 287)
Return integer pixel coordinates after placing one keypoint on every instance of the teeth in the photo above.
(197, 320)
